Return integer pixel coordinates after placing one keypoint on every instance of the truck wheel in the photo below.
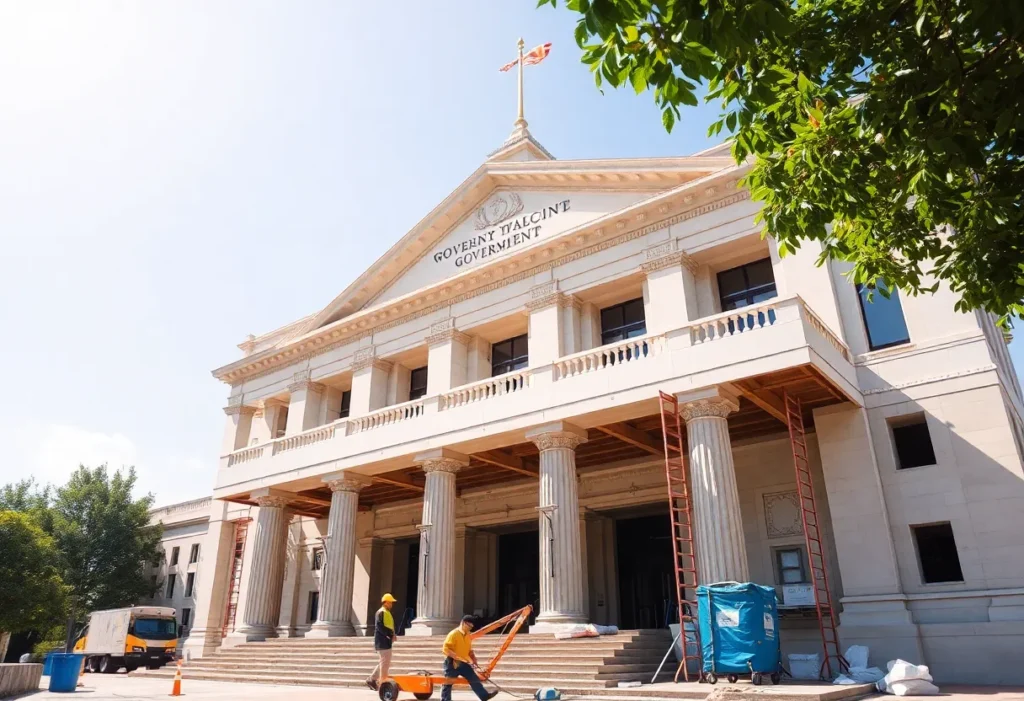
(388, 691)
(108, 666)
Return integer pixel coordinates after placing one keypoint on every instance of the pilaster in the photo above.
(303, 404)
(211, 584)
(238, 425)
(369, 382)
(670, 290)
(448, 357)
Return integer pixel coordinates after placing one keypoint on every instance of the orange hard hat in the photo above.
(388, 598)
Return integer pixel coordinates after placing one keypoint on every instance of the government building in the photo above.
(474, 424)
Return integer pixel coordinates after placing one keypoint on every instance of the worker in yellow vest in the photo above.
(383, 639)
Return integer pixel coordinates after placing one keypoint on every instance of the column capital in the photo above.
(441, 460)
(366, 358)
(347, 482)
(239, 410)
(714, 402)
(548, 295)
(444, 331)
(301, 380)
(557, 435)
(270, 497)
(666, 255)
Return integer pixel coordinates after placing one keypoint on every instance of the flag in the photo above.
(532, 57)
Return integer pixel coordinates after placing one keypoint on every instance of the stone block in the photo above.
(16, 679)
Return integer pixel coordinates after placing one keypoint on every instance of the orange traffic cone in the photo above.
(176, 689)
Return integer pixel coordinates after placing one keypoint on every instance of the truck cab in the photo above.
(141, 636)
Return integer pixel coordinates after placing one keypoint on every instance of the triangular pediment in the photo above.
(504, 207)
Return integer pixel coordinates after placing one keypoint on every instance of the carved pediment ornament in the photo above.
(498, 209)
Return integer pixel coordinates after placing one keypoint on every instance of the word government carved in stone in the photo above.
(505, 235)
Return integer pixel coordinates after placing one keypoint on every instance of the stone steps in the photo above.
(406, 664)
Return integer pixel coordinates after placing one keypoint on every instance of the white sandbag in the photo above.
(901, 669)
(857, 656)
(606, 630)
(913, 687)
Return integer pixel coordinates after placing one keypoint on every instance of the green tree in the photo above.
(890, 130)
(32, 595)
(103, 538)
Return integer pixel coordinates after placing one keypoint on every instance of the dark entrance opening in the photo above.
(646, 579)
(412, 577)
(518, 572)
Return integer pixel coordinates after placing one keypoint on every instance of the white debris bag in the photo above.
(859, 672)
(804, 666)
(906, 679)
(857, 656)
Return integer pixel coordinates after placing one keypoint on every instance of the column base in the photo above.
(201, 642)
(557, 623)
(249, 635)
(435, 626)
(332, 629)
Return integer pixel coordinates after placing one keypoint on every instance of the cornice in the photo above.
(595, 236)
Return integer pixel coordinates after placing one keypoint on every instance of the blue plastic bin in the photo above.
(739, 629)
(47, 664)
(65, 667)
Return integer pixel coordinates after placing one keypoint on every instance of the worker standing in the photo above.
(383, 639)
(459, 661)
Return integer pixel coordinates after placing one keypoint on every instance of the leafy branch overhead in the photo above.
(892, 131)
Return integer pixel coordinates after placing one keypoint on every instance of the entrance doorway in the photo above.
(646, 578)
(518, 572)
(412, 576)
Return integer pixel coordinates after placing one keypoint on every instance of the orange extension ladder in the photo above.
(683, 548)
(241, 530)
(812, 537)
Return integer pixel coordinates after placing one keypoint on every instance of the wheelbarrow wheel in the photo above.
(388, 691)
(711, 678)
(732, 678)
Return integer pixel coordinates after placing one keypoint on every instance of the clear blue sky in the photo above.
(176, 175)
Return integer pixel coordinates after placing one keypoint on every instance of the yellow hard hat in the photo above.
(386, 598)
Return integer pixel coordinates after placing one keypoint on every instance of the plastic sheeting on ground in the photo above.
(586, 631)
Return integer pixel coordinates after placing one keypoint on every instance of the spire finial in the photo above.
(521, 119)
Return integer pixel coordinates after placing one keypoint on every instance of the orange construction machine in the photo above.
(421, 684)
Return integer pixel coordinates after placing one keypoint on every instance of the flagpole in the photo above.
(521, 120)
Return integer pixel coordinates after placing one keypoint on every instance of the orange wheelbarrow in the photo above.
(421, 684)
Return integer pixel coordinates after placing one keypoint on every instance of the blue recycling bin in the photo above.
(739, 630)
(47, 664)
(64, 670)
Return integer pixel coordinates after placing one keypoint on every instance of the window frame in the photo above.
(316, 559)
(748, 291)
(186, 617)
(915, 528)
(190, 584)
(513, 363)
(171, 582)
(625, 328)
(345, 408)
(861, 301)
(175, 554)
(418, 392)
(905, 421)
(800, 550)
(193, 554)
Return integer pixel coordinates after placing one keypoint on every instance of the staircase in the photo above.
(585, 666)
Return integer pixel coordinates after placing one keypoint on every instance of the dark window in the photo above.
(883, 317)
(170, 585)
(190, 583)
(790, 566)
(509, 355)
(346, 404)
(748, 284)
(174, 556)
(314, 605)
(936, 551)
(193, 555)
(282, 422)
(186, 617)
(417, 383)
(623, 321)
(913, 443)
(318, 558)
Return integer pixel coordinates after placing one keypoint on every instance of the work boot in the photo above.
(372, 683)
(493, 694)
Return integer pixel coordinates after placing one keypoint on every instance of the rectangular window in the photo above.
(193, 555)
(186, 617)
(883, 317)
(912, 441)
(282, 422)
(623, 321)
(747, 284)
(791, 566)
(174, 556)
(346, 404)
(170, 585)
(190, 583)
(318, 559)
(314, 606)
(417, 383)
(510, 355)
(936, 553)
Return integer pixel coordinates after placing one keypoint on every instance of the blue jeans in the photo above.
(454, 669)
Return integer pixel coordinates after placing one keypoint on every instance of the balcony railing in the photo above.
(510, 382)
(643, 351)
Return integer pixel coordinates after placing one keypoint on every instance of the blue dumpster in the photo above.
(739, 626)
(65, 667)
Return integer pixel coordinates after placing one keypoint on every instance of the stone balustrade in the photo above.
(480, 391)
(632, 350)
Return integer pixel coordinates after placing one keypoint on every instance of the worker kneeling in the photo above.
(459, 661)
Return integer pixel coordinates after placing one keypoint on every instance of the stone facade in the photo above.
(354, 479)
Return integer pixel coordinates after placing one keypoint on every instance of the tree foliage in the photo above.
(890, 130)
(101, 535)
(32, 594)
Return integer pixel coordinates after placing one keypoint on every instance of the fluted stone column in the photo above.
(721, 549)
(562, 595)
(262, 608)
(435, 595)
(335, 615)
